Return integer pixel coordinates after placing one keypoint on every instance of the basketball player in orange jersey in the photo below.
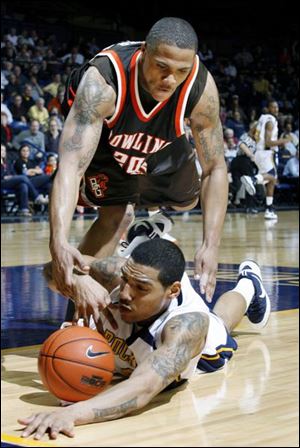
(124, 145)
(164, 332)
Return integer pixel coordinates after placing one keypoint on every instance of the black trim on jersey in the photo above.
(144, 334)
(196, 90)
(179, 299)
(106, 69)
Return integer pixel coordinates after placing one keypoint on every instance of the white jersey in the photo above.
(261, 129)
(132, 344)
(264, 157)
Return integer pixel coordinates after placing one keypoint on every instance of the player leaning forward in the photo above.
(124, 144)
(166, 328)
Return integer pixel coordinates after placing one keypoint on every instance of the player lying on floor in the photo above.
(167, 330)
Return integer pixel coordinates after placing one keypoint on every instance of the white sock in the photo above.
(259, 178)
(153, 212)
(269, 201)
(246, 289)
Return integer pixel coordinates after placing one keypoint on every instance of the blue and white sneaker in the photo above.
(260, 306)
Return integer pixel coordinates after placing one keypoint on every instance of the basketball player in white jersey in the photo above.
(267, 145)
(164, 332)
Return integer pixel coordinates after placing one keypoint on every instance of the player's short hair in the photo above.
(172, 31)
(162, 255)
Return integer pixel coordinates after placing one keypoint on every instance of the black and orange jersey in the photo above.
(137, 130)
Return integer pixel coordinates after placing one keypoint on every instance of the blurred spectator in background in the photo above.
(27, 98)
(236, 124)
(235, 106)
(32, 169)
(230, 69)
(206, 55)
(18, 110)
(261, 87)
(292, 166)
(230, 148)
(73, 58)
(21, 78)
(12, 36)
(32, 136)
(52, 136)
(6, 110)
(244, 58)
(293, 144)
(52, 88)
(40, 113)
(20, 185)
(6, 131)
(36, 90)
(246, 182)
(56, 102)
(51, 164)
(13, 87)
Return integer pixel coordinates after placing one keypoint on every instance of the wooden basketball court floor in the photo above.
(252, 402)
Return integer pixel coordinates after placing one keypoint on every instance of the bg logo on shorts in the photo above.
(98, 185)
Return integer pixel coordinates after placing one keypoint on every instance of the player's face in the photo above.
(273, 108)
(142, 296)
(164, 69)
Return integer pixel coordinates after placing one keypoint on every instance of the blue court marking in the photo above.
(31, 311)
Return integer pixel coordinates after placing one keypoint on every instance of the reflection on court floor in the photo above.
(30, 311)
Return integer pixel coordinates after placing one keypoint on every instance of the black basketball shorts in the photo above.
(111, 185)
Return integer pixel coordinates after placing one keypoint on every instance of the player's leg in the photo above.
(179, 190)
(248, 297)
(103, 236)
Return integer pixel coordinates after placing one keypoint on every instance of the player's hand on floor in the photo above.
(206, 265)
(54, 423)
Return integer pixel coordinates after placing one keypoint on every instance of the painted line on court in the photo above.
(20, 441)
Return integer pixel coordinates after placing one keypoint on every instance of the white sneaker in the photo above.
(248, 184)
(156, 226)
(41, 200)
(270, 214)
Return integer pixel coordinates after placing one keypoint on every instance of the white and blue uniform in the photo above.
(264, 158)
(132, 344)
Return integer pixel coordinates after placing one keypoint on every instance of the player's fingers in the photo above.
(198, 269)
(110, 318)
(68, 431)
(96, 314)
(67, 280)
(56, 429)
(26, 420)
(80, 263)
(203, 282)
(210, 289)
(42, 427)
(75, 316)
(33, 425)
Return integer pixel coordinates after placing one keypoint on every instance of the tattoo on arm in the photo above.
(88, 112)
(115, 411)
(189, 333)
(107, 271)
(211, 142)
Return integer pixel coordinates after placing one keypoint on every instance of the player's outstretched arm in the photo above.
(208, 135)
(183, 338)
(79, 140)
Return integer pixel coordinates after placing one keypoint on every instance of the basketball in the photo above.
(76, 363)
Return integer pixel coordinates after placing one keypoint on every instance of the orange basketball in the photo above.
(76, 363)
